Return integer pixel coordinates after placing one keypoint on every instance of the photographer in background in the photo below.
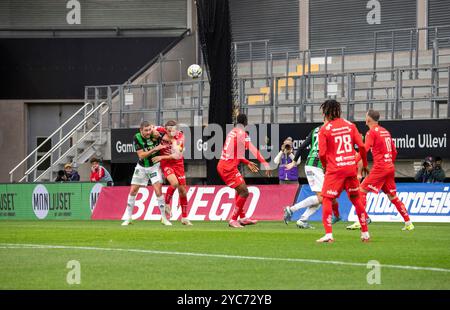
(285, 157)
(431, 171)
(61, 177)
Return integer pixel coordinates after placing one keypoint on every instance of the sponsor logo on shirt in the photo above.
(373, 187)
(332, 192)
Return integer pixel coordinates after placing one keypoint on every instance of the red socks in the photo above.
(360, 209)
(401, 208)
(238, 210)
(183, 201)
(184, 204)
(169, 194)
(396, 202)
(363, 198)
(326, 214)
(335, 207)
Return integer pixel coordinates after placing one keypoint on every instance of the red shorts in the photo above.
(380, 179)
(336, 182)
(231, 176)
(178, 170)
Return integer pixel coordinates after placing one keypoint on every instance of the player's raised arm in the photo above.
(249, 146)
(144, 154)
(303, 146)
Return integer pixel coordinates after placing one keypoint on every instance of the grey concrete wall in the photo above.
(12, 136)
(185, 50)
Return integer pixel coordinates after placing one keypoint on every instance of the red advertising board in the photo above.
(206, 203)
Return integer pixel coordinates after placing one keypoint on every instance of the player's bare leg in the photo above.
(172, 179)
(161, 203)
(130, 204)
(402, 210)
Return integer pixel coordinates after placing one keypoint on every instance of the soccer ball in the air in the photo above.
(194, 71)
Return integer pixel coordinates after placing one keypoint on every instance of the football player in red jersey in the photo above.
(382, 174)
(172, 165)
(336, 152)
(233, 153)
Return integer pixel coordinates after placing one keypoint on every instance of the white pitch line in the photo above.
(279, 259)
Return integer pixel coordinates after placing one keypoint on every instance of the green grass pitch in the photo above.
(269, 255)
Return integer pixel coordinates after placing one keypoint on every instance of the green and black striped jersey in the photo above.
(140, 143)
(313, 157)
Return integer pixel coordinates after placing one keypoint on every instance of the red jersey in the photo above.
(336, 146)
(233, 151)
(98, 174)
(384, 152)
(175, 146)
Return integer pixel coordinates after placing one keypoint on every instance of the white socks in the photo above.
(329, 236)
(308, 202)
(161, 204)
(130, 206)
(309, 212)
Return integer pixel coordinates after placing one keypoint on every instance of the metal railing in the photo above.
(74, 148)
(155, 102)
(426, 96)
(306, 58)
(292, 98)
(89, 113)
(414, 37)
(238, 51)
(58, 133)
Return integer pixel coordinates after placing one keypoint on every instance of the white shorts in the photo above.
(315, 178)
(142, 175)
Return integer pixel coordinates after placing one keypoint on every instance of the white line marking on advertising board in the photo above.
(224, 256)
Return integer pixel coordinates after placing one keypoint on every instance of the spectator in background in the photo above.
(99, 173)
(438, 172)
(61, 176)
(285, 157)
(72, 175)
(431, 171)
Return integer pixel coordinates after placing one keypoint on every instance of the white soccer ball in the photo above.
(194, 71)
